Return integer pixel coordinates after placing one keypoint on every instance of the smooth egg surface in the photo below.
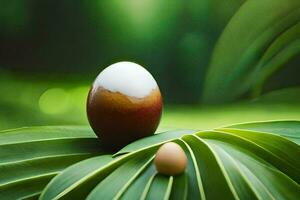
(124, 104)
(127, 78)
(170, 159)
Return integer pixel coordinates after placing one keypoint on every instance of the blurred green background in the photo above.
(52, 50)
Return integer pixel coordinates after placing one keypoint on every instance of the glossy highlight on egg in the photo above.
(124, 104)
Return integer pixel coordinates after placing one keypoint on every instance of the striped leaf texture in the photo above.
(259, 40)
(244, 161)
(31, 157)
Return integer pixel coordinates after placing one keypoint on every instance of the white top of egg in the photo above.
(127, 78)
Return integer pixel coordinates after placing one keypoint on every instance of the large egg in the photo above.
(124, 104)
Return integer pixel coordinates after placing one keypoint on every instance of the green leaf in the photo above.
(238, 179)
(287, 129)
(87, 174)
(160, 187)
(31, 157)
(283, 49)
(153, 141)
(138, 186)
(43, 133)
(265, 181)
(114, 185)
(260, 38)
(47, 148)
(245, 161)
(211, 172)
(238, 163)
(77, 176)
(272, 152)
(25, 188)
(179, 188)
(195, 185)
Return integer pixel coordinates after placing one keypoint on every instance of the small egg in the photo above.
(170, 159)
(124, 104)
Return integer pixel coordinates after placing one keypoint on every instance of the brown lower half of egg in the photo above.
(118, 119)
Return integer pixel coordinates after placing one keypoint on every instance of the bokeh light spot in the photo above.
(79, 96)
(54, 101)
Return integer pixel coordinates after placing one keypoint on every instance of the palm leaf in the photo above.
(244, 161)
(259, 40)
(31, 157)
(287, 129)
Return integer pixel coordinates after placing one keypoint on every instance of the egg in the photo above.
(124, 104)
(170, 159)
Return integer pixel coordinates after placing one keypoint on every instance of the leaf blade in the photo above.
(232, 70)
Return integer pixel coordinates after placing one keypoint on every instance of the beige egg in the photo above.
(170, 159)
